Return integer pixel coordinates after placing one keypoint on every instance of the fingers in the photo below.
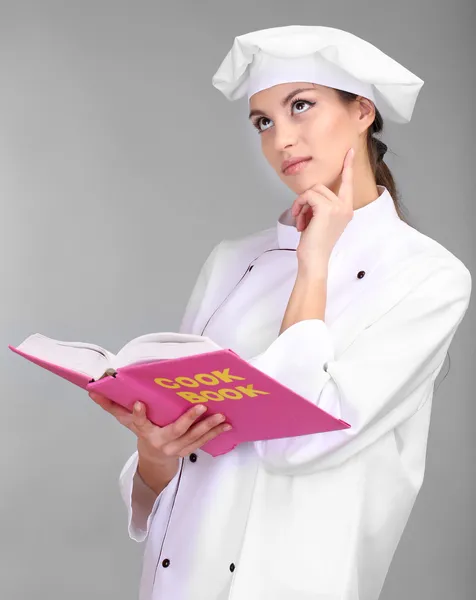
(179, 438)
(139, 422)
(347, 179)
(308, 198)
(304, 206)
(320, 192)
(301, 220)
(136, 420)
(195, 436)
(198, 443)
(312, 197)
(324, 191)
(181, 425)
(108, 405)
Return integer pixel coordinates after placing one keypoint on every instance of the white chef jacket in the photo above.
(315, 516)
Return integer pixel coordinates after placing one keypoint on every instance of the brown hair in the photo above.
(383, 175)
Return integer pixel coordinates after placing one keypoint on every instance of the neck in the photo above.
(365, 187)
(365, 193)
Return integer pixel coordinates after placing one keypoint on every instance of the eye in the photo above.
(257, 121)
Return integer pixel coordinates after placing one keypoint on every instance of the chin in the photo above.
(301, 183)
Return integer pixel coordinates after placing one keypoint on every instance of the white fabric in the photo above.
(267, 70)
(316, 516)
(322, 55)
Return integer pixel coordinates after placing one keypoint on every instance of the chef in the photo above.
(342, 301)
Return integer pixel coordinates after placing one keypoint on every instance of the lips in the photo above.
(292, 161)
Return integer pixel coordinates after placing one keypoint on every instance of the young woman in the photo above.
(342, 301)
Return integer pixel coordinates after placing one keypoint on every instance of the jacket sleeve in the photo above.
(377, 383)
(198, 292)
(141, 502)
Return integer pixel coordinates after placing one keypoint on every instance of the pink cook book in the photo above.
(256, 405)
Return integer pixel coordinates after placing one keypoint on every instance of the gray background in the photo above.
(120, 167)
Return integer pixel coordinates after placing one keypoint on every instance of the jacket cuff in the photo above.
(298, 358)
(140, 500)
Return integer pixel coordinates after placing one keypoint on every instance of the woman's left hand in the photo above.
(322, 216)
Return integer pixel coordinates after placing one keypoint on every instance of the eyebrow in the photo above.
(284, 101)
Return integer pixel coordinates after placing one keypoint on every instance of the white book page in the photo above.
(88, 359)
(160, 346)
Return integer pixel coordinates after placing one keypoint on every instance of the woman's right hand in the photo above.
(164, 445)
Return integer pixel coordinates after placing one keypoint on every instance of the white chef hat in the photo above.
(317, 54)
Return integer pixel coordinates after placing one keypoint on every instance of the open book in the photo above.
(170, 372)
(95, 362)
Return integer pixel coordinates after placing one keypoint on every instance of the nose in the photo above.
(285, 134)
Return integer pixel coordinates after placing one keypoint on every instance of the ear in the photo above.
(366, 113)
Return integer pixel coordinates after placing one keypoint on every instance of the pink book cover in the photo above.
(256, 405)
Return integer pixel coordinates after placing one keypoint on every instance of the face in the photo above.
(312, 123)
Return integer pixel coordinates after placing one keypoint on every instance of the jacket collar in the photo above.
(367, 220)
